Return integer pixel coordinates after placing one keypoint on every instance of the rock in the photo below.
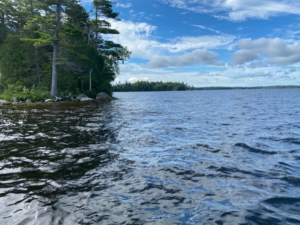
(81, 96)
(70, 97)
(58, 99)
(87, 100)
(49, 100)
(14, 100)
(3, 102)
(103, 96)
(67, 98)
(28, 101)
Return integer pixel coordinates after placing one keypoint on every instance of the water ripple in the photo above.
(207, 157)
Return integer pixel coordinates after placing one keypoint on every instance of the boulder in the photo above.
(3, 102)
(102, 96)
(17, 103)
(87, 100)
(14, 100)
(67, 98)
(70, 97)
(81, 96)
(58, 99)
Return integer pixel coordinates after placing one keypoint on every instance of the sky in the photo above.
(210, 42)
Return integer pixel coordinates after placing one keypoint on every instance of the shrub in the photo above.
(22, 93)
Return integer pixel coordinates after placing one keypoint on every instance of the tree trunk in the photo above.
(2, 29)
(31, 8)
(96, 43)
(54, 90)
(91, 78)
(37, 65)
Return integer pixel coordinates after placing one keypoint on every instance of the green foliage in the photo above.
(29, 32)
(91, 93)
(77, 16)
(152, 86)
(16, 63)
(22, 93)
(105, 8)
(45, 39)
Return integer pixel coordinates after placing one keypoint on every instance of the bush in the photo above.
(22, 93)
(92, 93)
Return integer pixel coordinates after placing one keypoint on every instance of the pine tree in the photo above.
(32, 30)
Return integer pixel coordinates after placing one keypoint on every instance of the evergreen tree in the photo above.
(54, 43)
(152, 86)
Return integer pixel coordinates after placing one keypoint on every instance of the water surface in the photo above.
(198, 157)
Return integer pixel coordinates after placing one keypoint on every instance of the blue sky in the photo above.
(210, 42)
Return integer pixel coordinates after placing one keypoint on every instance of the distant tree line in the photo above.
(151, 86)
(257, 87)
(58, 47)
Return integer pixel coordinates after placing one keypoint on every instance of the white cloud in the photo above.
(134, 79)
(217, 76)
(199, 56)
(258, 74)
(239, 10)
(253, 63)
(243, 56)
(137, 37)
(127, 5)
(243, 9)
(199, 42)
(207, 28)
(141, 40)
(270, 51)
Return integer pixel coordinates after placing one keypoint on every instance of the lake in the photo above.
(195, 157)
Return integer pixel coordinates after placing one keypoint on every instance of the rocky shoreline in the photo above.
(102, 96)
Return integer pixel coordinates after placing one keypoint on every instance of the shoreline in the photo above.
(225, 88)
(102, 96)
(255, 87)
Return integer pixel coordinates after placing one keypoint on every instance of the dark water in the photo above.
(201, 157)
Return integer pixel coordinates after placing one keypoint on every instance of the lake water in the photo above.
(198, 157)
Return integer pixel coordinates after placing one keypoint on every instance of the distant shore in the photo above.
(151, 86)
(208, 88)
(257, 87)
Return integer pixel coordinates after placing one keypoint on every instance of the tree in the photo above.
(103, 8)
(58, 37)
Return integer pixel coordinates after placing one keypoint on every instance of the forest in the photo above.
(253, 87)
(151, 86)
(57, 47)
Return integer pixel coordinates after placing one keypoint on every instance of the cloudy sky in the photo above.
(211, 42)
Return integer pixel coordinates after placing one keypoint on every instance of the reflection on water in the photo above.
(201, 157)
